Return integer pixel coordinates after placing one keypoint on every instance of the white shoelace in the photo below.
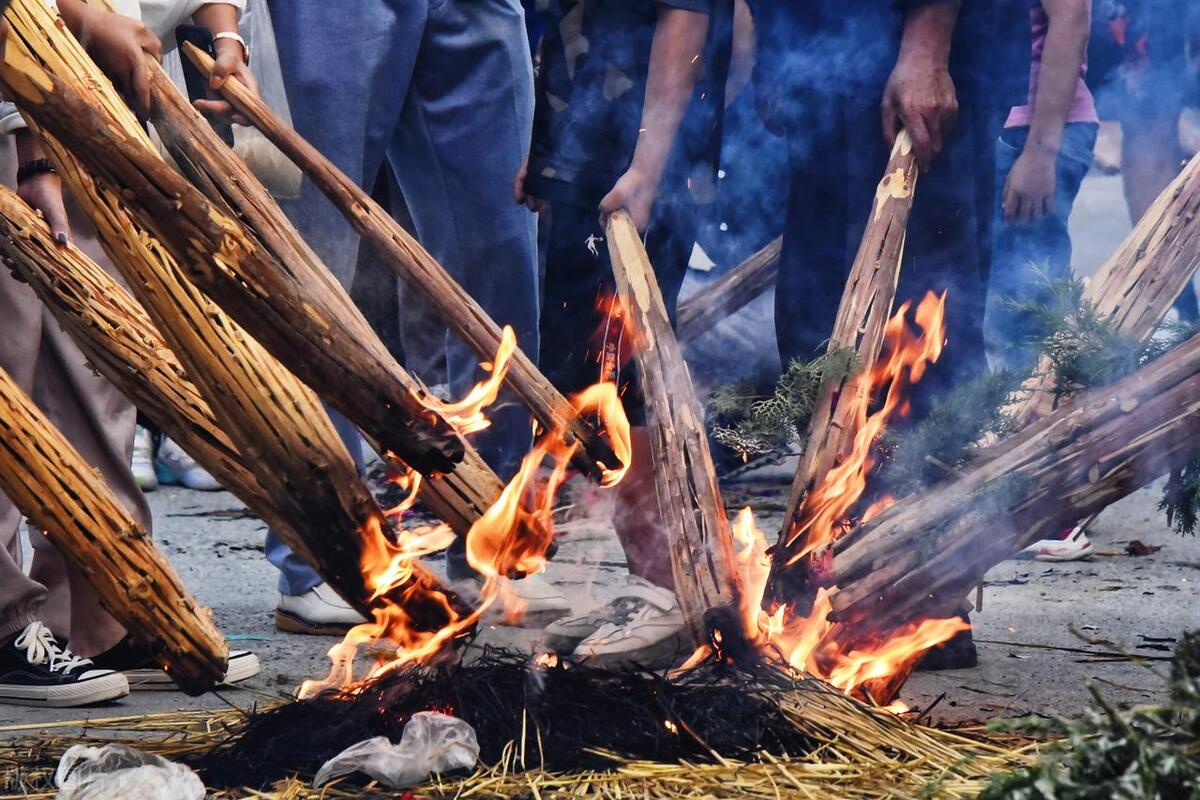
(41, 647)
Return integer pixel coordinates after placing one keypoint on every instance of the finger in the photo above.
(935, 136)
(1009, 204)
(140, 84)
(60, 226)
(891, 123)
(922, 145)
(220, 108)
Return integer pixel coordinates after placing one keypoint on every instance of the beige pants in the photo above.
(95, 418)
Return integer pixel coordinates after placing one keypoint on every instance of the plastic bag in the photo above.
(118, 772)
(431, 742)
(277, 172)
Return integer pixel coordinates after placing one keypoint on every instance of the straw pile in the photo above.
(850, 752)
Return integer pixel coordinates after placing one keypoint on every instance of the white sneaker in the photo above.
(177, 468)
(643, 629)
(142, 464)
(318, 612)
(538, 600)
(1076, 547)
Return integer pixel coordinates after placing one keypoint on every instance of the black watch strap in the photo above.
(38, 166)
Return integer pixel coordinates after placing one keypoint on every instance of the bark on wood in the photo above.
(702, 560)
(457, 309)
(274, 421)
(861, 320)
(921, 556)
(1138, 284)
(121, 343)
(458, 493)
(60, 493)
(729, 294)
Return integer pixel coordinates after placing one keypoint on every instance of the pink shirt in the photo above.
(1083, 108)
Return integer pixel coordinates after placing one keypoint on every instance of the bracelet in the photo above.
(237, 38)
(29, 169)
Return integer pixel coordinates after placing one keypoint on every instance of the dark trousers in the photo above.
(837, 156)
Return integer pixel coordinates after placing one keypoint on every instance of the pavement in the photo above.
(1029, 628)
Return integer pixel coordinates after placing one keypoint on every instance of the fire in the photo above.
(510, 540)
(903, 363)
(811, 643)
(467, 414)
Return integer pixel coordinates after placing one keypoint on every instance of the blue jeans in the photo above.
(442, 89)
(1029, 256)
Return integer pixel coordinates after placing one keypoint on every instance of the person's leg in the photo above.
(99, 423)
(22, 599)
(463, 137)
(948, 249)
(816, 254)
(346, 67)
(1150, 159)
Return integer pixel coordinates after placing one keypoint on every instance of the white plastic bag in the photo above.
(277, 172)
(117, 772)
(431, 742)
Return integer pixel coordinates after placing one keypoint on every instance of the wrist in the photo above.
(232, 43)
(1043, 145)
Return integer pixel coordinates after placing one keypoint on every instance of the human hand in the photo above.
(635, 192)
(522, 197)
(229, 63)
(124, 48)
(1029, 190)
(921, 98)
(43, 192)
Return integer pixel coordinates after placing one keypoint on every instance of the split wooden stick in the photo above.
(63, 495)
(702, 560)
(458, 493)
(919, 558)
(121, 343)
(1136, 287)
(274, 421)
(729, 294)
(461, 313)
(861, 320)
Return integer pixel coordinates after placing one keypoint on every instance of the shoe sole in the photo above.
(658, 656)
(563, 645)
(290, 623)
(84, 693)
(156, 680)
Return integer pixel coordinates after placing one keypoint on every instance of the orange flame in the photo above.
(905, 359)
(510, 539)
(466, 415)
(810, 644)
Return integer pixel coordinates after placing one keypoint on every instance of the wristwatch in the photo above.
(237, 38)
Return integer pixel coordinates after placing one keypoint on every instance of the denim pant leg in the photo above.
(464, 135)
(1030, 256)
(346, 90)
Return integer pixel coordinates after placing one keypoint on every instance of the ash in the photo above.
(567, 716)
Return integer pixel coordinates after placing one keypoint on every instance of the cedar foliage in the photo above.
(753, 421)
(1143, 754)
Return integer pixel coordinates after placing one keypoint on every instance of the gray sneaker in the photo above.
(640, 626)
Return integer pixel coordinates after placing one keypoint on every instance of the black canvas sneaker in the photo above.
(35, 670)
(144, 673)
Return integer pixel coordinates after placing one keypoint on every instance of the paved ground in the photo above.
(1138, 604)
